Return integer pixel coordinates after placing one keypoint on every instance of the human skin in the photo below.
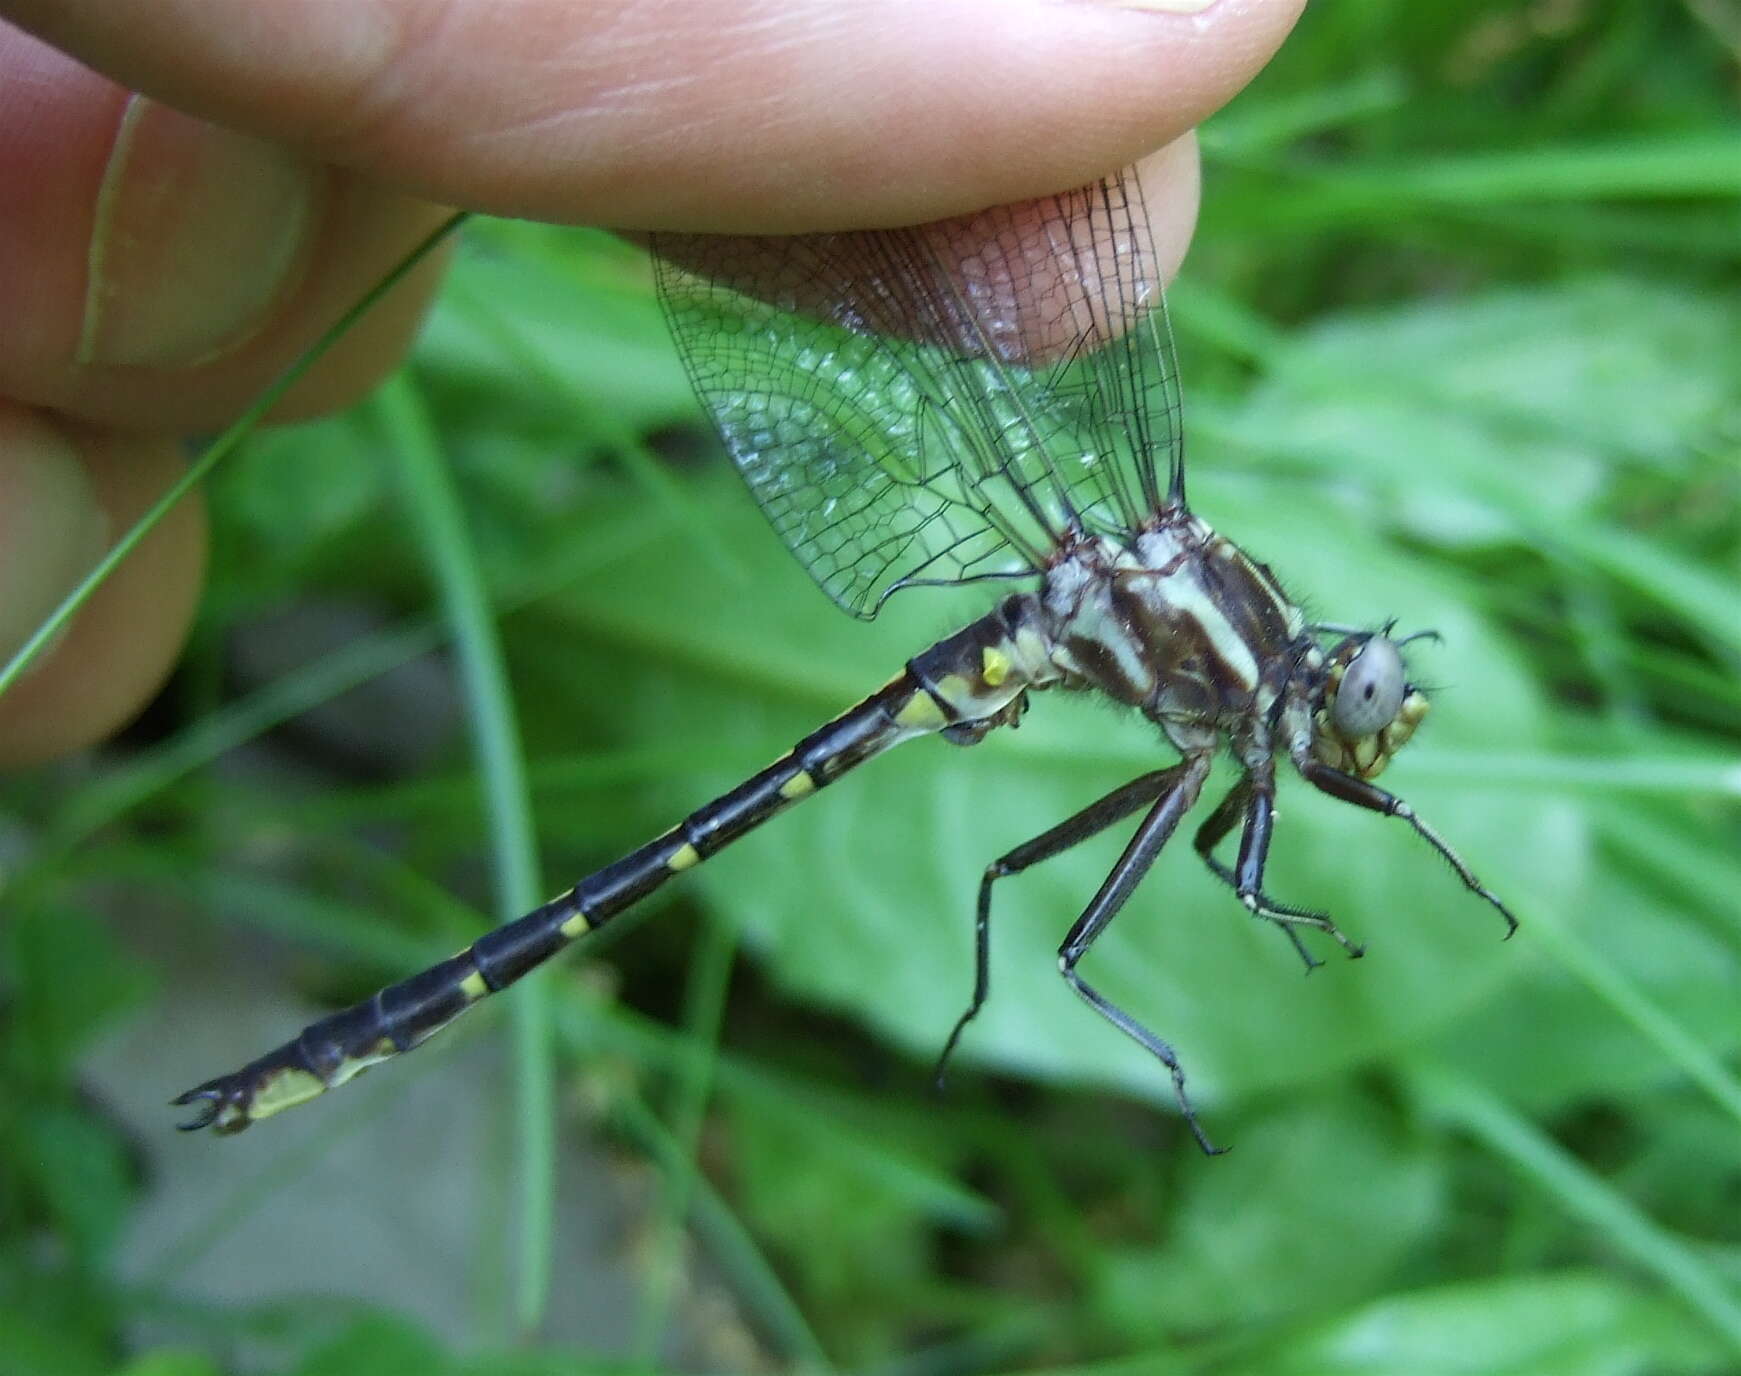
(163, 257)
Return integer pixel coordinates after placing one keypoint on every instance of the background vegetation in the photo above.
(1461, 342)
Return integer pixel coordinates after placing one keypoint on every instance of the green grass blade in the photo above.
(709, 978)
(151, 771)
(215, 453)
(1239, 134)
(1653, 775)
(1585, 1197)
(1679, 1046)
(1689, 167)
(757, 1283)
(637, 457)
(436, 507)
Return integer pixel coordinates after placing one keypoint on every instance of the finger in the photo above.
(752, 116)
(161, 271)
(65, 494)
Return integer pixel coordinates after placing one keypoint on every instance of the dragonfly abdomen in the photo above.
(963, 683)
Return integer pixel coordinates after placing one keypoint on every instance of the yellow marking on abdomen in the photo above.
(958, 693)
(352, 1066)
(474, 986)
(286, 1089)
(800, 785)
(921, 713)
(576, 927)
(994, 666)
(685, 857)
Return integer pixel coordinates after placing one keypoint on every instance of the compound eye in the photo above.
(1371, 691)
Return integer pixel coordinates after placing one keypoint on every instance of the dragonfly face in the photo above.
(989, 397)
(1366, 709)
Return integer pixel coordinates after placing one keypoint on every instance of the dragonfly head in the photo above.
(1368, 709)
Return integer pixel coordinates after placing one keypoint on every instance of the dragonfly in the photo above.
(989, 398)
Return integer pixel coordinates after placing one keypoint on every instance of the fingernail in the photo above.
(52, 531)
(198, 232)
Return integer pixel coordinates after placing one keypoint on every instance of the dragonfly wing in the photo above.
(939, 403)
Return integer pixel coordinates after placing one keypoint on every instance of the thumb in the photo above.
(726, 115)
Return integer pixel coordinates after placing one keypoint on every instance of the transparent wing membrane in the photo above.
(940, 403)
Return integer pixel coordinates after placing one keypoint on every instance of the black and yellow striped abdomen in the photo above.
(961, 686)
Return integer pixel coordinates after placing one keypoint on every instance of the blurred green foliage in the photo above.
(1461, 345)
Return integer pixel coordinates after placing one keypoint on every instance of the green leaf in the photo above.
(1361, 1195)
(82, 1173)
(1564, 1324)
(70, 981)
(31, 1344)
(825, 1214)
(169, 1362)
(376, 1345)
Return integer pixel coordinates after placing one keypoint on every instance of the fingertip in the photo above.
(879, 121)
(1172, 185)
(65, 495)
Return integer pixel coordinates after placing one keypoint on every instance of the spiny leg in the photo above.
(1210, 835)
(1090, 821)
(1253, 798)
(1254, 855)
(1139, 855)
(1348, 789)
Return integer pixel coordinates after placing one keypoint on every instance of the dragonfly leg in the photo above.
(1090, 821)
(1162, 820)
(1348, 789)
(1228, 811)
(1253, 799)
(974, 731)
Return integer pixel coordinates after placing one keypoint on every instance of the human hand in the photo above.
(158, 268)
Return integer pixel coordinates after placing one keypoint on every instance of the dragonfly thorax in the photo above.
(1180, 624)
(1185, 626)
